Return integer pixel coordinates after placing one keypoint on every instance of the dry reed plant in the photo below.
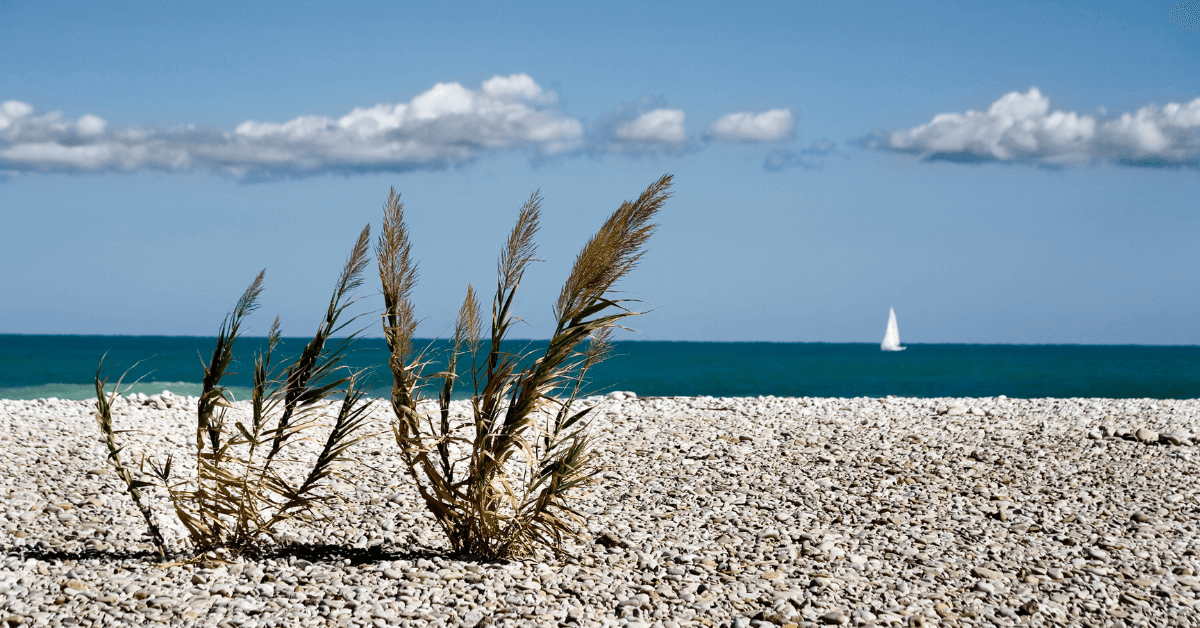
(499, 481)
(248, 476)
(133, 486)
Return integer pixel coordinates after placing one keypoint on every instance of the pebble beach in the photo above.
(730, 512)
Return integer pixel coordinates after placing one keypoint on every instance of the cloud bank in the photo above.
(768, 126)
(447, 124)
(648, 127)
(444, 126)
(1022, 128)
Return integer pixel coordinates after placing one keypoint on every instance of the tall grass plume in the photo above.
(245, 485)
(499, 481)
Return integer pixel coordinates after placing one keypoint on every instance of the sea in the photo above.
(65, 367)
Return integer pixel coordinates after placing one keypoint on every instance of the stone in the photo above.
(984, 586)
(944, 611)
(902, 509)
(1146, 435)
(608, 539)
(984, 572)
(1177, 438)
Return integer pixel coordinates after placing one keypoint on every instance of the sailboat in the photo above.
(891, 338)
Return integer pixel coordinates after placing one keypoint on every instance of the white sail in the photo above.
(891, 338)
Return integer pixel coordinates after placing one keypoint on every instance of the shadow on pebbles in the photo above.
(712, 511)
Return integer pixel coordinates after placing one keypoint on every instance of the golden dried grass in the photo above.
(243, 488)
(499, 482)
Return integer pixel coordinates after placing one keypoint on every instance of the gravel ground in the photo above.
(713, 511)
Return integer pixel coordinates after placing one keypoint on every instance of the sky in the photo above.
(1007, 172)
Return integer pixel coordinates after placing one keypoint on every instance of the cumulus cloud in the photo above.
(768, 126)
(644, 127)
(1022, 128)
(446, 125)
(663, 126)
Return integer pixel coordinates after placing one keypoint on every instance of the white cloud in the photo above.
(768, 126)
(91, 125)
(12, 110)
(640, 128)
(660, 126)
(519, 87)
(445, 125)
(1022, 128)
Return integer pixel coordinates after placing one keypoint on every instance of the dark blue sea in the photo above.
(63, 366)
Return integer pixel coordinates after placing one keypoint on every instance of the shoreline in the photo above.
(54, 369)
(853, 511)
(78, 393)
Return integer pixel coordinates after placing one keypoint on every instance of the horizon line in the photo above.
(790, 342)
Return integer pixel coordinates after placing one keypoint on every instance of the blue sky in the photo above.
(998, 172)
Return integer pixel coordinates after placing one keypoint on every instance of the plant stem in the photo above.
(104, 417)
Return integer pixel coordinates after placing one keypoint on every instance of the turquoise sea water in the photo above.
(63, 367)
